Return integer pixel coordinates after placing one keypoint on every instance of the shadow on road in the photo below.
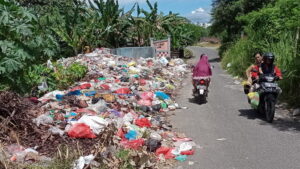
(251, 114)
(214, 60)
(193, 100)
(282, 124)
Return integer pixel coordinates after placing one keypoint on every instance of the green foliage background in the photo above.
(272, 26)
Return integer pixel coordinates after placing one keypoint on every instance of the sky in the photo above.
(195, 10)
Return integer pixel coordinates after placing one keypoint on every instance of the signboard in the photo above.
(162, 47)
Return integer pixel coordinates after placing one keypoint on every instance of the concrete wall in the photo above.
(145, 52)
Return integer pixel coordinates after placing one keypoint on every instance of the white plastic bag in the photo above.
(56, 131)
(79, 164)
(43, 119)
(96, 123)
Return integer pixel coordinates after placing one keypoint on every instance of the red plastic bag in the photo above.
(166, 151)
(86, 111)
(189, 152)
(143, 122)
(147, 96)
(81, 130)
(121, 134)
(123, 91)
(34, 100)
(133, 144)
(85, 86)
(105, 87)
(75, 88)
(142, 82)
(145, 102)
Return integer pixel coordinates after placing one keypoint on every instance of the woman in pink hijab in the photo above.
(202, 70)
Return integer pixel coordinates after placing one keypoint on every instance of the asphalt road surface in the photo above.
(228, 134)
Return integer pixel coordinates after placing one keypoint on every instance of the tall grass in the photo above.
(288, 60)
(239, 56)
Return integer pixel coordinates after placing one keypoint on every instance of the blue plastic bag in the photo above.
(59, 97)
(131, 135)
(162, 95)
(75, 92)
(181, 158)
(91, 93)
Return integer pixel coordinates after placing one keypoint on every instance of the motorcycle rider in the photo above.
(253, 71)
(202, 71)
(268, 66)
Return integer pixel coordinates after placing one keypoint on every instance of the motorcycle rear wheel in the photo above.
(270, 108)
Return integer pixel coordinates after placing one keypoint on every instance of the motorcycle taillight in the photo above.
(202, 81)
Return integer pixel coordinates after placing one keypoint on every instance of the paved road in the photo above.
(228, 133)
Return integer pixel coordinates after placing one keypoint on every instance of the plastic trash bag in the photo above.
(147, 96)
(254, 99)
(153, 145)
(189, 152)
(181, 158)
(133, 144)
(131, 135)
(162, 95)
(91, 93)
(143, 122)
(163, 61)
(81, 130)
(186, 146)
(74, 93)
(86, 160)
(109, 98)
(155, 136)
(99, 107)
(43, 119)
(43, 86)
(123, 91)
(166, 151)
(133, 63)
(96, 123)
(145, 102)
(56, 131)
(85, 86)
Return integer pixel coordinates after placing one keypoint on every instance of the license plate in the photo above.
(201, 91)
(270, 84)
(201, 87)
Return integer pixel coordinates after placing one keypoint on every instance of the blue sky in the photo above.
(195, 10)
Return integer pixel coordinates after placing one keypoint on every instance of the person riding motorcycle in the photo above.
(202, 70)
(268, 66)
(252, 73)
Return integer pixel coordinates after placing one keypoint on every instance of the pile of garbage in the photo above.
(121, 104)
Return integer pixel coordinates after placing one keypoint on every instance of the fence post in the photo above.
(169, 45)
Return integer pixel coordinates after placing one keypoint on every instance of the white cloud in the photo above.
(124, 2)
(199, 10)
(200, 15)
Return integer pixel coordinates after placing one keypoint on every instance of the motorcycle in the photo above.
(201, 91)
(268, 90)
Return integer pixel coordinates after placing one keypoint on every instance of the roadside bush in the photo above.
(65, 77)
(59, 78)
(188, 54)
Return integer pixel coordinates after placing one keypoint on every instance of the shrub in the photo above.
(188, 53)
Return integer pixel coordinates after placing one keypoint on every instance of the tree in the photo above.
(22, 42)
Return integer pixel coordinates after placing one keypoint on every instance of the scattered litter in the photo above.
(221, 139)
(191, 163)
(121, 103)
